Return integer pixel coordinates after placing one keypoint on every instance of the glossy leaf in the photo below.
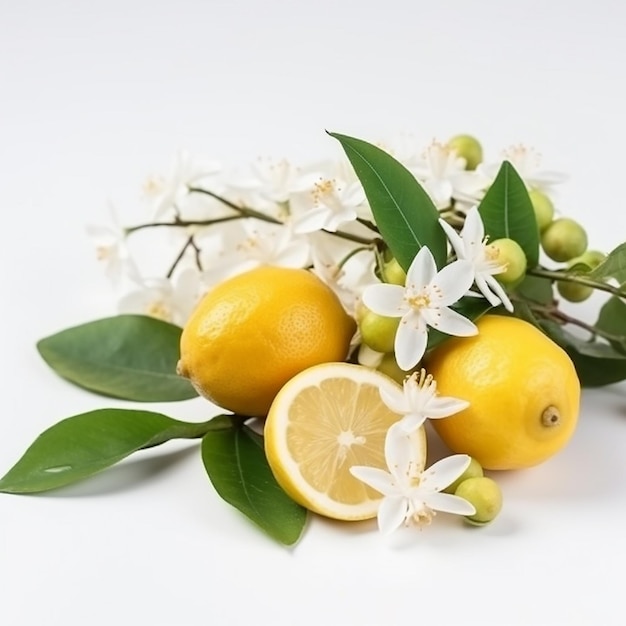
(84, 444)
(614, 266)
(132, 357)
(612, 319)
(404, 213)
(536, 289)
(235, 462)
(507, 211)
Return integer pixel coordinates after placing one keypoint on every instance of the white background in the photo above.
(94, 97)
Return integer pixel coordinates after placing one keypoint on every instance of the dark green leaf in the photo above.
(84, 444)
(404, 213)
(614, 266)
(128, 356)
(235, 462)
(507, 211)
(536, 289)
(612, 320)
(597, 363)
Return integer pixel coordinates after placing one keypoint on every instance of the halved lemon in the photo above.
(326, 419)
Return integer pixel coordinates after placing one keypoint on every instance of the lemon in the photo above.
(523, 391)
(323, 421)
(252, 333)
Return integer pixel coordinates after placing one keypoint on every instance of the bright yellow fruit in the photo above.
(523, 391)
(323, 421)
(252, 333)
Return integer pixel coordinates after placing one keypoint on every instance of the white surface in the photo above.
(94, 97)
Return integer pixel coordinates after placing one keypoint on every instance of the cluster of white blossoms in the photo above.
(223, 222)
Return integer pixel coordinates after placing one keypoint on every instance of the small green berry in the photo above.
(564, 239)
(484, 493)
(469, 148)
(509, 253)
(378, 331)
(544, 209)
(573, 292)
(590, 258)
(474, 470)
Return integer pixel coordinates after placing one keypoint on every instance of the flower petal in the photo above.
(473, 231)
(452, 323)
(453, 237)
(483, 287)
(422, 269)
(410, 341)
(444, 406)
(444, 472)
(375, 478)
(453, 281)
(499, 290)
(448, 503)
(385, 299)
(392, 512)
(395, 399)
(401, 457)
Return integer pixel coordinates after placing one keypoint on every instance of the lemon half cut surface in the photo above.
(326, 419)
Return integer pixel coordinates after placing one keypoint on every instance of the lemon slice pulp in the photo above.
(323, 421)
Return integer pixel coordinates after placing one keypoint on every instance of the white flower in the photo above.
(423, 301)
(412, 496)
(471, 245)
(526, 162)
(418, 401)
(166, 299)
(170, 192)
(331, 203)
(111, 249)
(444, 177)
(345, 272)
(260, 243)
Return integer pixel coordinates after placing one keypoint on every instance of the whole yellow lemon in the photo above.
(523, 391)
(252, 333)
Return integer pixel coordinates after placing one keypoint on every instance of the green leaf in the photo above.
(596, 363)
(84, 444)
(614, 266)
(612, 319)
(404, 213)
(536, 289)
(238, 469)
(132, 357)
(507, 211)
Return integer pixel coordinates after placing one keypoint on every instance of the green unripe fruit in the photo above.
(544, 209)
(390, 367)
(573, 292)
(509, 253)
(378, 332)
(591, 258)
(485, 495)
(564, 239)
(469, 148)
(393, 273)
(474, 470)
